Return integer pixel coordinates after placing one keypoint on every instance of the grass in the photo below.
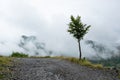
(82, 62)
(5, 62)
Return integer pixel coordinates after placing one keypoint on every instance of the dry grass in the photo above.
(5, 62)
(82, 62)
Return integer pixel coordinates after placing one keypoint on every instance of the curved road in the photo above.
(55, 69)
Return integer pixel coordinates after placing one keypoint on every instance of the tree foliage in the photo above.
(77, 28)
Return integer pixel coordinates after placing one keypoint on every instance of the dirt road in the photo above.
(55, 69)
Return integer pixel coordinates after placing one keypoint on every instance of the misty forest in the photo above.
(59, 40)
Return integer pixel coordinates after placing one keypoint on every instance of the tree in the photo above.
(78, 30)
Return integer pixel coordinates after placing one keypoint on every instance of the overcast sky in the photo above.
(48, 19)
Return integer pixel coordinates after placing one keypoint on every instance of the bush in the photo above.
(17, 54)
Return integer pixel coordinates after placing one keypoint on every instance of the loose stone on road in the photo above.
(55, 69)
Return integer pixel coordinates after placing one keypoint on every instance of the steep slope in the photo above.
(56, 69)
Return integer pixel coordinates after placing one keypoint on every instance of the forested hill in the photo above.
(114, 61)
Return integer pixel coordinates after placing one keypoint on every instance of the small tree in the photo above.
(78, 30)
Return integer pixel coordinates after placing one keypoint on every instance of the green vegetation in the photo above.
(5, 62)
(17, 54)
(114, 61)
(78, 30)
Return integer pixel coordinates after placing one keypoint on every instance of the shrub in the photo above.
(17, 54)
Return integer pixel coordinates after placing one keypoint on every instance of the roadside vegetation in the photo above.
(5, 63)
(82, 62)
(17, 54)
(114, 61)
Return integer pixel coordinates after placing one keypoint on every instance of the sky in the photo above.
(48, 21)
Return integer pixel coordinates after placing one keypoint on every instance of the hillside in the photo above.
(56, 69)
(114, 61)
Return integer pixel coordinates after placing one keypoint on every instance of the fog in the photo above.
(48, 20)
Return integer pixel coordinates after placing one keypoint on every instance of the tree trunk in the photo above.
(80, 55)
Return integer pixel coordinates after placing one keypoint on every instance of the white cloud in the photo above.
(48, 19)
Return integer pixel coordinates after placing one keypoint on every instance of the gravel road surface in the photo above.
(56, 69)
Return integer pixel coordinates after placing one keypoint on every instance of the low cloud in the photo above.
(32, 46)
(47, 21)
(103, 51)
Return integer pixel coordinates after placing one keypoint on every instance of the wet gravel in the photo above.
(56, 69)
